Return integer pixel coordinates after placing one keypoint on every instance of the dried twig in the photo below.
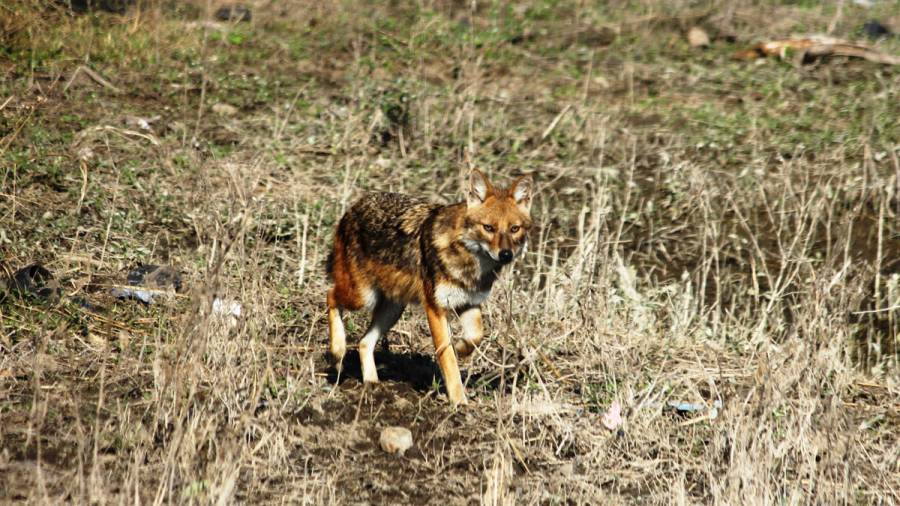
(97, 78)
(816, 47)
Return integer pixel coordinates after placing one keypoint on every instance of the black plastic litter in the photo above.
(235, 12)
(149, 281)
(155, 276)
(875, 30)
(35, 280)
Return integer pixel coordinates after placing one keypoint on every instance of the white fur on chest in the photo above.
(452, 296)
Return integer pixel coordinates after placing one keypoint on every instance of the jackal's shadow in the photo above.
(416, 369)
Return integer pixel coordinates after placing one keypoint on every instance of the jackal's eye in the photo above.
(514, 228)
(488, 228)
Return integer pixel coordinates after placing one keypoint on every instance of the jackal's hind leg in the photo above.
(337, 337)
(384, 316)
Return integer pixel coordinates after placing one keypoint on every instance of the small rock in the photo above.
(396, 440)
(85, 153)
(697, 37)
(124, 339)
(400, 403)
(97, 341)
(236, 12)
(224, 109)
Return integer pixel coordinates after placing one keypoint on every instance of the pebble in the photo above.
(224, 109)
(697, 37)
(396, 440)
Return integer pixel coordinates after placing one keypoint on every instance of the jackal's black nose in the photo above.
(505, 256)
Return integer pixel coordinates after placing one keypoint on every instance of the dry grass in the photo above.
(707, 230)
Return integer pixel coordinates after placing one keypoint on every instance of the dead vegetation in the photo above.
(707, 230)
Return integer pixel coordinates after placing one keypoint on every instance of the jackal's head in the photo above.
(497, 220)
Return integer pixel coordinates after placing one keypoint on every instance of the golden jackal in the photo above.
(391, 250)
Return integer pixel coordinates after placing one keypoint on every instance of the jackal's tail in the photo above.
(329, 264)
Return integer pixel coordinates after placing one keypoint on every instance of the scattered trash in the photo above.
(85, 304)
(153, 280)
(697, 37)
(226, 307)
(36, 280)
(144, 296)
(875, 30)
(396, 440)
(690, 407)
(112, 6)
(139, 122)
(226, 312)
(872, 422)
(234, 13)
(159, 276)
(224, 109)
(612, 419)
(816, 46)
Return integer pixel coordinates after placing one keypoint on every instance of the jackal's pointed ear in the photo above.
(521, 191)
(479, 189)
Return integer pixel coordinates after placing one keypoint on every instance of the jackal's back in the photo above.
(387, 227)
(377, 244)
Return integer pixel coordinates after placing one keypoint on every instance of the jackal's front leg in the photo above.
(472, 331)
(446, 355)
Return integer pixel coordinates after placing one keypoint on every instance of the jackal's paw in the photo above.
(460, 402)
(336, 356)
(370, 376)
(463, 348)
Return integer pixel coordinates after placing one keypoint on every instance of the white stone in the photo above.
(396, 440)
